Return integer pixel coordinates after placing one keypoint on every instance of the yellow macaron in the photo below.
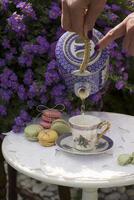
(47, 137)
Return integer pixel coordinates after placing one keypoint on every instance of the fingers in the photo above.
(113, 34)
(126, 29)
(94, 10)
(65, 17)
(73, 14)
(77, 17)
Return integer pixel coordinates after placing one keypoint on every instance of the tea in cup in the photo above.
(85, 129)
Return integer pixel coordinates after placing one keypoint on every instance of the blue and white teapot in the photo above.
(69, 54)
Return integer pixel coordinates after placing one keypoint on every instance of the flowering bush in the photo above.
(28, 68)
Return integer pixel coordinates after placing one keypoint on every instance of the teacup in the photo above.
(86, 131)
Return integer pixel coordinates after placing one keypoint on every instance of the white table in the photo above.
(86, 172)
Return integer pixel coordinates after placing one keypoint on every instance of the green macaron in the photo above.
(31, 131)
(60, 126)
(124, 159)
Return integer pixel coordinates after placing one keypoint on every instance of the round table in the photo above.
(51, 165)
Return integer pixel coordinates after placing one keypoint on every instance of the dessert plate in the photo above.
(65, 143)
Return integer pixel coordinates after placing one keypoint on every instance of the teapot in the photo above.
(69, 54)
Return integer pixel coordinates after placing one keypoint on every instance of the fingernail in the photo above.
(90, 34)
(97, 47)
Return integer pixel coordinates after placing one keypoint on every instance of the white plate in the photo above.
(65, 143)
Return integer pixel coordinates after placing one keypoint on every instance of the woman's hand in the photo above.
(80, 15)
(126, 29)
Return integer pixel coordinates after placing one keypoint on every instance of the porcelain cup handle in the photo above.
(106, 126)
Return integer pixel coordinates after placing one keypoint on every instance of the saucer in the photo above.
(65, 143)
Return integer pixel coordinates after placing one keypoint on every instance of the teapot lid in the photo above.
(70, 50)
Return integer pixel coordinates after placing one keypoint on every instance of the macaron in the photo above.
(45, 124)
(31, 131)
(52, 113)
(124, 159)
(60, 126)
(47, 137)
(47, 119)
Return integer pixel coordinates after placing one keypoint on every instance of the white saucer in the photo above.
(65, 143)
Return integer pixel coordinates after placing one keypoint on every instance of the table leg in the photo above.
(89, 194)
(12, 190)
(64, 193)
(3, 179)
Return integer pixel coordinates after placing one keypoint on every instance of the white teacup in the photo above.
(85, 130)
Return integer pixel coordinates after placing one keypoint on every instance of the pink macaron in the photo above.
(47, 119)
(45, 125)
(53, 113)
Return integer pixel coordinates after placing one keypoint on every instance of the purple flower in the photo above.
(43, 45)
(116, 54)
(33, 91)
(9, 56)
(58, 90)
(25, 59)
(67, 104)
(121, 68)
(107, 7)
(40, 48)
(51, 65)
(96, 97)
(43, 48)
(106, 30)
(125, 76)
(5, 4)
(3, 110)
(54, 11)
(51, 77)
(101, 22)
(115, 7)
(8, 79)
(17, 129)
(13, 77)
(27, 9)
(59, 32)
(42, 89)
(31, 104)
(127, 12)
(25, 116)
(113, 45)
(6, 43)
(41, 40)
(16, 1)
(14, 85)
(5, 95)
(16, 22)
(52, 50)
(112, 17)
(2, 62)
(75, 112)
(22, 93)
(120, 84)
(19, 121)
(58, 100)
(28, 77)
(30, 48)
(13, 50)
(43, 99)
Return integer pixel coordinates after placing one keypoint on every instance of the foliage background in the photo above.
(28, 69)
